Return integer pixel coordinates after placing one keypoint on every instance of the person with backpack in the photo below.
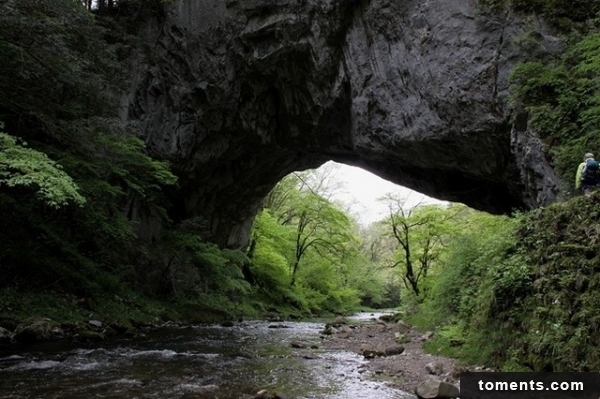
(588, 174)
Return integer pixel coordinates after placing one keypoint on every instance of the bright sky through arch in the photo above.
(359, 191)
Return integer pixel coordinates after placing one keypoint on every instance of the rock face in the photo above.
(239, 93)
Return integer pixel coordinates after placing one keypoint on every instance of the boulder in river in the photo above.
(264, 394)
(327, 330)
(369, 351)
(403, 326)
(393, 350)
(278, 326)
(5, 336)
(95, 323)
(436, 389)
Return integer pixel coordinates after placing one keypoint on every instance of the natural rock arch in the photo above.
(239, 93)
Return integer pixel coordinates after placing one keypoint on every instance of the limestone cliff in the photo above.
(239, 93)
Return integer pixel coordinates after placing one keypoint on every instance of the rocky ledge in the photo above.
(42, 329)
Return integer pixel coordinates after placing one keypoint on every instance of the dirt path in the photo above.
(404, 371)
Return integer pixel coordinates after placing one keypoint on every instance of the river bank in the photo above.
(405, 370)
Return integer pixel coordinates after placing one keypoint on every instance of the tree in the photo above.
(318, 224)
(419, 234)
(24, 167)
(63, 141)
(381, 285)
(303, 238)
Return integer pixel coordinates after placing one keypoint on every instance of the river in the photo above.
(199, 361)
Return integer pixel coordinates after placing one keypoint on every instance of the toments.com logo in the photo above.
(529, 385)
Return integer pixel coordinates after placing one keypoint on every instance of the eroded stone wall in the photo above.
(239, 93)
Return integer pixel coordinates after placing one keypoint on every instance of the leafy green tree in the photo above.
(199, 271)
(58, 93)
(317, 223)
(419, 233)
(303, 238)
(24, 167)
(319, 226)
(270, 245)
(382, 286)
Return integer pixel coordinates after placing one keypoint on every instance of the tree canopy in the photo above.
(307, 241)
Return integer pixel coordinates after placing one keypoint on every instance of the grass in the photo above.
(68, 309)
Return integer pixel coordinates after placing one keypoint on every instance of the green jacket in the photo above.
(578, 175)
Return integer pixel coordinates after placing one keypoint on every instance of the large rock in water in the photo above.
(435, 389)
(239, 93)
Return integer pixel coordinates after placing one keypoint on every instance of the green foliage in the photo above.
(58, 90)
(115, 310)
(563, 14)
(563, 99)
(419, 236)
(475, 263)
(483, 280)
(450, 341)
(100, 234)
(305, 252)
(563, 243)
(194, 270)
(521, 293)
(55, 64)
(271, 260)
(382, 284)
(324, 280)
(25, 167)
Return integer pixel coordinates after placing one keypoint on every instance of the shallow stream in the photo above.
(202, 361)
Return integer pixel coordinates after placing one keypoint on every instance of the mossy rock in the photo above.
(90, 336)
(403, 339)
(8, 322)
(120, 328)
(391, 318)
(36, 329)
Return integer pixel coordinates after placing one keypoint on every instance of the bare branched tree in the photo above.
(418, 232)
